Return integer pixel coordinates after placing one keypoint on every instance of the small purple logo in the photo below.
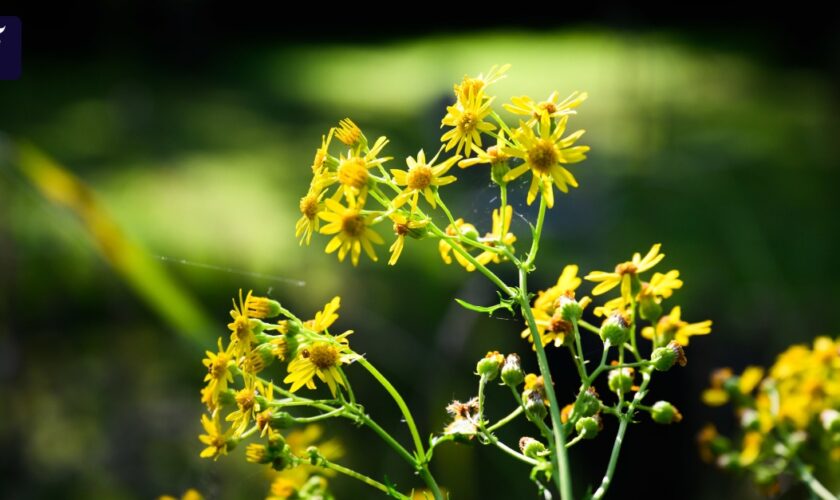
(10, 47)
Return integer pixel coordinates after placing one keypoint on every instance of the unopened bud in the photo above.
(620, 380)
(664, 412)
(488, 366)
(588, 403)
(530, 447)
(535, 406)
(512, 373)
(663, 358)
(570, 309)
(588, 427)
(615, 330)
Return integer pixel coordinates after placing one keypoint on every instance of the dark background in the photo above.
(195, 125)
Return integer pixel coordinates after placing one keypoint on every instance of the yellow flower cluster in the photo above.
(351, 193)
(785, 413)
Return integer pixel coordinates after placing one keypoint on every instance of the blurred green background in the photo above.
(722, 144)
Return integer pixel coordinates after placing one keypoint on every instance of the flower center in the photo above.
(548, 107)
(467, 123)
(353, 172)
(219, 366)
(352, 224)
(242, 328)
(245, 399)
(318, 161)
(322, 356)
(400, 229)
(626, 268)
(559, 325)
(542, 156)
(309, 206)
(419, 177)
(496, 155)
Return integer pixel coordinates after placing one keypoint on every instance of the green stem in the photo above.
(563, 476)
(577, 353)
(501, 423)
(804, 474)
(444, 208)
(575, 440)
(347, 387)
(510, 451)
(338, 412)
(382, 433)
(619, 438)
(478, 265)
(544, 430)
(592, 328)
(326, 464)
(535, 242)
(482, 382)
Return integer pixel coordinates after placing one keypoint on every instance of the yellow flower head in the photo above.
(326, 317)
(500, 235)
(321, 358)
(217, 378)
(247, 406)
(351, 229)
(322, 153)
(473, 86)
(672, 327)
(352, 172)
(422, 177)
(552, 107)
(661, 286)
(403, 225)
(349, 133)
(494, 155)
(445, 247)
(625, 272)
(215, 439)
(242, 335)
(544, 156)
(567, 282)
(309, 222)
(466, 117)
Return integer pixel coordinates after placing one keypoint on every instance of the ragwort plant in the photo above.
(356, 191)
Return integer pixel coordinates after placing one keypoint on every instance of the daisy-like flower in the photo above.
(322, 153)
(217, 378)
(309, 206)
(351, 229)
(661, 286)
(500, 235)
(352, 172)
(445, 247)
(349, 133)
(568, 281)
(494, 155)
(403, 225)
(466, 117)
(321, 359)
(672, 327)
(242, 335)
(215, 439)
(471, 86)
(422, 177)
(524, 105)
(624, 273)
(544, 156)
(247, 407)
(325, 317)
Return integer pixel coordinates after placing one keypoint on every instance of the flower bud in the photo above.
(257, 453)
(620, 380)
(588, 403)
(535, 406)
(649, 309)
(498, 170)
(512, 373)
(664, 412)
(470, 232)
(615, 330)
(588, 427)
(570, 309)
(488, 366)
(532, 448)
(281, 420)
(831, 421)
(663, 358)
(262, 307)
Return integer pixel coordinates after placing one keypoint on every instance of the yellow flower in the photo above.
(403, 226)
(544, 156)
(326, 317)
(421, 177)
(567, 282)
(466, 117)
(242, 335)
(624, 273)
(309, 222)
(445, 247)
(494, 155)
(717, 395)
(500, 235)
(321, 358)
(322, 152)
(672, 327)
(524, 105)
(215, 439)
(751, 448)
(190, 494)
(661, 286)
(472, 86)
(286, 483)
(247, 405)
(348, 132)
(612, 306)
(352, 172)
(351, 229)
(217, 378)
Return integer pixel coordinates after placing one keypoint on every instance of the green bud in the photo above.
(615, 330)
(588, 427)
(512, 373)
(663, 358)
(532, 448)
(282, 420)
(665, 413)
(588, 403)
(470, 232)
(831, 421)
(498, 172)
(535, 406)
(488, 366)
(570, 309)
(620, 380)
